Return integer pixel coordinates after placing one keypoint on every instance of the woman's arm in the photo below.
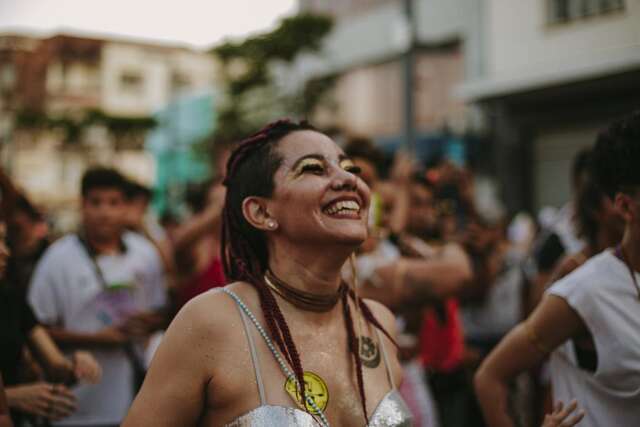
(550, 325)
(174, 389)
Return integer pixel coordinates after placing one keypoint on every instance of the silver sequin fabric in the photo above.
(391, 412)
(270, 416)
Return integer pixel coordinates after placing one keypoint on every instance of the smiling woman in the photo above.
(295, 211)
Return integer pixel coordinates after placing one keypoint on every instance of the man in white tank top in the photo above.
(589, 322)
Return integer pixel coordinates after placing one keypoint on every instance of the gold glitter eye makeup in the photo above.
(350, 167)
(310, 165)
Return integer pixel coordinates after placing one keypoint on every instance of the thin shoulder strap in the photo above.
(386, 360)
(254, 356)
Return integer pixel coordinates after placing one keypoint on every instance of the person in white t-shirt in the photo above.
(101, 288)
(589, 321)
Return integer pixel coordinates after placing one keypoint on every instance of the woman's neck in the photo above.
(314, 272)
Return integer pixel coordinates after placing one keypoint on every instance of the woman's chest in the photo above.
(243, 383)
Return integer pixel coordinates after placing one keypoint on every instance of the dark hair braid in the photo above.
(250, 172)
(244, 252)
(354, 350)
(369, 317)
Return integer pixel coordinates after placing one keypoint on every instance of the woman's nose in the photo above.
(344, 180)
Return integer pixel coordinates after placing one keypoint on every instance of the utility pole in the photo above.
(409, 79)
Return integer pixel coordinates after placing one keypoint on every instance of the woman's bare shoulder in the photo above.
(208, 314)
(383, 314)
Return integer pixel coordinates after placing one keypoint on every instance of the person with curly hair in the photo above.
(588, 321)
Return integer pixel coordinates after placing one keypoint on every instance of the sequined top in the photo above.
(392, 411)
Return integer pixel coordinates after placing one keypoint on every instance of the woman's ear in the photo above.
(255, 212)
(624, 205)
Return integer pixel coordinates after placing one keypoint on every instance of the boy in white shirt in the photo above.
(102, 288)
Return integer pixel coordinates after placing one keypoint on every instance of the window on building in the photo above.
(131, 81)
(180, 81)
(560, 11)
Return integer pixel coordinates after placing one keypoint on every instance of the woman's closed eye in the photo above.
(312, 167)
(350, 167)
(317, 167)
(356, 170)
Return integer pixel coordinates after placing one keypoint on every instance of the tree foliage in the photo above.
(74, 125)
(252, 97)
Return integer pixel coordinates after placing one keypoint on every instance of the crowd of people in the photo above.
(351, 288)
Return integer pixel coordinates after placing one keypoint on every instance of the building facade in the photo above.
(556, 72)
(365, 53)
(105, 90)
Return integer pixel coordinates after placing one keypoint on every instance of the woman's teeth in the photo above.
(344, 205)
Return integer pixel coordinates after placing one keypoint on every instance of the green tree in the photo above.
(251, 95)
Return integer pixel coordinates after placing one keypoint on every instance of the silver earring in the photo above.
(271, 224)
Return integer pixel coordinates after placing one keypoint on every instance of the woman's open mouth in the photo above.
(344, 208)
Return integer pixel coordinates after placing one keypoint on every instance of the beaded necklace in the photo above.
(276, 354)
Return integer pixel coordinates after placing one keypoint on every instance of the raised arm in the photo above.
(551, 324)
(419, 281)
(201, 223)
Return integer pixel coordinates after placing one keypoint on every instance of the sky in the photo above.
(199, 23)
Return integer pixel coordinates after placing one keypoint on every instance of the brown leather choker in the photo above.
(301, 299)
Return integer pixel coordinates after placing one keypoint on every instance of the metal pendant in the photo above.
(314, 387)
(369, 352)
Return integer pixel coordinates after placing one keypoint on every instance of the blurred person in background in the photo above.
(140, 220)
(558, 239)
(28, 239)
(597, 222)
(48, 400)
(493, 306)
(586, 321)
(404, 268)
(600, 225)
(196, 242)
(101, 288)
(27, 234)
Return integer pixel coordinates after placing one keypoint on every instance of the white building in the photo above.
(69, 76)
(365, 50)
(556, 71)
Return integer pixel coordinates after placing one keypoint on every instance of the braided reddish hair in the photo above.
(250, 172)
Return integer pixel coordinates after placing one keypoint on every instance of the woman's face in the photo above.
(318, 197)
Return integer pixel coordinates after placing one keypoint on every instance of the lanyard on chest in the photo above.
(92, 255)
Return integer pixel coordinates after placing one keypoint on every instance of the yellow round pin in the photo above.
(314, 387)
